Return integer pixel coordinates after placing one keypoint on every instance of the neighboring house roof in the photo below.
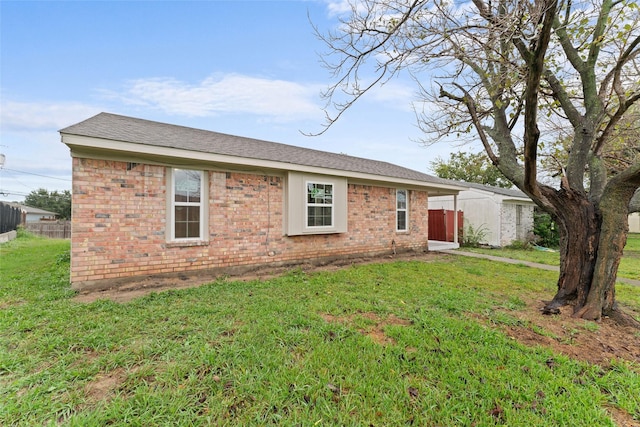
(31, 210)
(509, 193)
(127, 134)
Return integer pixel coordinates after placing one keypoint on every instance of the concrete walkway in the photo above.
(527, 263)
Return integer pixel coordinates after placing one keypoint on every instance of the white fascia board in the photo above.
(498, 196)
(83, 146)
(518, 199)
(479, 190)
(513, 199)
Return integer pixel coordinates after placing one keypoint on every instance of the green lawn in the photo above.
(629, 266)
(295, 350)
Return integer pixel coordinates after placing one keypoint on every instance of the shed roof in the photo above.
(112, 127)
(508, 192)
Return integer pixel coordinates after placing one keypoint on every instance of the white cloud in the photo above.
(16, 115)
(337, 8)
(278, 100)
(394, 94)
(35, 157)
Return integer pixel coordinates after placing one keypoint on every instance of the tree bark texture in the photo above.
(579, 222)
(613, 237)
(591, 247)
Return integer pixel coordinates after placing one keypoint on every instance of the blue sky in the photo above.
(249, 68)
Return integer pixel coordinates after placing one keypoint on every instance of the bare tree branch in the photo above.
(536, 70)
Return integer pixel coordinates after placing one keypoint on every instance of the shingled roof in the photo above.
(508, 192)
(107, 126)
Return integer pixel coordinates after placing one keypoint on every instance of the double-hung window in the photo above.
(188, 203)
(401, 210)
(319, 204)
(315, 204)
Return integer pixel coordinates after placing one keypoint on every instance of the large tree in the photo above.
(523, 77)
(469, 167)
(54, 201)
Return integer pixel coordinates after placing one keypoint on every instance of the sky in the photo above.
(247, 68)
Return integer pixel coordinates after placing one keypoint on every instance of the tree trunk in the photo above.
(592, 239)
(579, 222)
(613, 236)
(614, 206)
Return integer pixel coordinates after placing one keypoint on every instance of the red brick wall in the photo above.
(119, 220)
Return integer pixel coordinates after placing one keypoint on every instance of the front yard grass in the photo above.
(629, 265)
(379, 344)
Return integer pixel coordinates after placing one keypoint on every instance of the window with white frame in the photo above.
(188, 203)
(315, 204)
(401, 210)
(319, 204)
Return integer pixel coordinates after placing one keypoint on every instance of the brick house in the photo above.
(152, 198)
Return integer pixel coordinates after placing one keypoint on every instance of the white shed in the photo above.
(503, 214)
(634, 222)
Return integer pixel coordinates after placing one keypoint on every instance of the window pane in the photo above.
(311, 216)
(328, 194)
(328, 198)
(402, 220)
(312, 192)
(193, 229)
(319, 193)
(187, 222)
(187, 185)
(319, 216)
(181, 230)
(181, 214)
(401, 198)
(193, 214)
(181, 196)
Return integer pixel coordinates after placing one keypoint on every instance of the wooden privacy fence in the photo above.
(10, 217)
(441, 225)
(55, 230)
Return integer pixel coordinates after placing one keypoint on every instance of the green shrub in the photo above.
(472, 237)
(545, 230)
(22, 233)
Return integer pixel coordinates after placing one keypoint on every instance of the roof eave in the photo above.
(85, 146)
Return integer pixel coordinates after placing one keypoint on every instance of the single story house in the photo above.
(31, 214)
(502, 215)
(152, 198)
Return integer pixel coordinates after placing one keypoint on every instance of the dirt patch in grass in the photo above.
(145, 285)
(597, 343)
(104, 386)
(376, 326)
(622, 418)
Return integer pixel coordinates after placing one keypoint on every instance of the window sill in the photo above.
(308, 232)
(186, 243)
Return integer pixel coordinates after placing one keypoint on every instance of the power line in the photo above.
(10, 192)
(37, 174)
